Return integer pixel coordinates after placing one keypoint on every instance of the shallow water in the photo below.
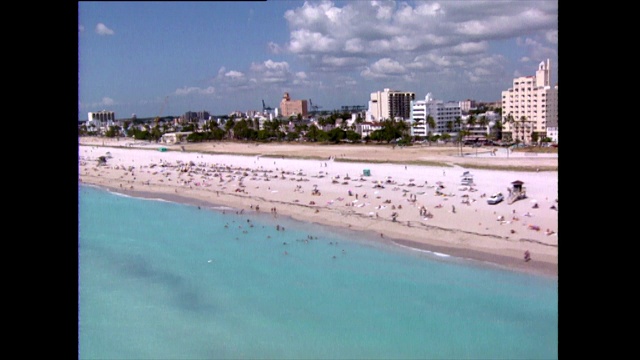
(160, 280)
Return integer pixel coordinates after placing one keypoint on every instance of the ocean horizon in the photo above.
(166, 280)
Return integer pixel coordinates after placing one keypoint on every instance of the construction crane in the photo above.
(314, 107)
(265, 107)
(164, 103)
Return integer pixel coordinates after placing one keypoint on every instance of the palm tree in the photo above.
(482, 121)
(402, 127)
(431, 123)
(523, 123)
(471, 121)
(461, 135)
(449, 127)
(457, 122)
(509, 120)
(498, 127)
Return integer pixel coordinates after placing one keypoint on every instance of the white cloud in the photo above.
(271, 71)
(552, 36)
(274, 48)
(470, 48)
(234, 74)
(379, 29)
(102, 29)
(442, 47)
(383, 68)
(341, 62)
(537, 50)
(304, 40)
(102, 104)
(195, 90)
(107, 101)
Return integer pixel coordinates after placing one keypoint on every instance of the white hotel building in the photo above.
(101, 120)
(532, 104)
(441, 112)
(390, 104)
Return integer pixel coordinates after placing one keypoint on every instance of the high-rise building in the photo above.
(530, 106)
(390, 104)
(290, 107)
(444, 114)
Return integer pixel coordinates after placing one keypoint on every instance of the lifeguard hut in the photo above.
(517, 192)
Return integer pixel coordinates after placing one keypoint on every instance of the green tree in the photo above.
(335, 135)
(228, 126)
(449, 127)
(431, 123)
(313, 133)
(535, 137)
(82, 130)
(292, 135)
(523, 127)
(509, 120)
(112, 131)
(431, 126)
(471, 121)
(461, 135)
(242, 130)
(156, 134)
(353, 136)
(457, 122)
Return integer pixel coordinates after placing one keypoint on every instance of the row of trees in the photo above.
(279, 130)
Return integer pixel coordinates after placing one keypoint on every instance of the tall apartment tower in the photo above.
(527, 106)
(390, 104)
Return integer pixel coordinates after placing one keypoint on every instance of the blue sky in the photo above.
(167, 58)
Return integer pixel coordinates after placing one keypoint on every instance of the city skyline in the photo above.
(166, 58)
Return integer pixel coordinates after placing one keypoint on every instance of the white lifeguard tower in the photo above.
(516, 192)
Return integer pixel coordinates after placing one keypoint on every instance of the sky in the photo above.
(166, 58)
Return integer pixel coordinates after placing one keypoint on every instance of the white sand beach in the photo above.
(416, 205)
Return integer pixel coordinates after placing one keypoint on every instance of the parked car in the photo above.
(495, 198)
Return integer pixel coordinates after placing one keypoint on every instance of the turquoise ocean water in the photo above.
(162, 280)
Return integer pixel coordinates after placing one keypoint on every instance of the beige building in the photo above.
(467, 105)
(390, 104)
(290, 107)
(530, 106)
